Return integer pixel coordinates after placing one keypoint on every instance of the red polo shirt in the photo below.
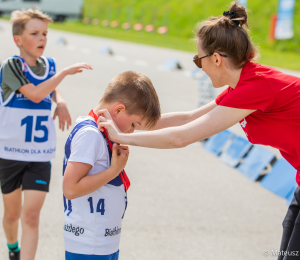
(276, 98)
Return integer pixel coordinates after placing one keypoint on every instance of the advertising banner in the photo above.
(284, 23)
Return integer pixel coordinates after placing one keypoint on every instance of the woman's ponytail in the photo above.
(226, 34)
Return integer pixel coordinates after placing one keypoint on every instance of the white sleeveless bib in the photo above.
(27, 131)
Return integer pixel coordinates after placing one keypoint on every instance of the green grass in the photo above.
(269, 56)
(182, 16)
(167, 41)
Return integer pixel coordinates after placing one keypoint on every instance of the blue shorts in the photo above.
(72, 256)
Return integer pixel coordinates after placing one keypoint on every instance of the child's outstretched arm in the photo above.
(76, 183)
(37, 93)
(61, 110)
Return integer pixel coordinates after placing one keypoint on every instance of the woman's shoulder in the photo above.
(256, 76)
(259, 77)
(256, 71)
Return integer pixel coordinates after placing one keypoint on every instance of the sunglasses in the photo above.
(198, 61)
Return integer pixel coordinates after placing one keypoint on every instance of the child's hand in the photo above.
(63, 115)
(119, 157)
(77, 68)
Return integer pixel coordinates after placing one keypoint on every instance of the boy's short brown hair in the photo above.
(20, 18)
(136, 92)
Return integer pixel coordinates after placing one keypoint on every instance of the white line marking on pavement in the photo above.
(187, 73)
(141, 63)
(71, 47)
(120, 58)
(85, 50)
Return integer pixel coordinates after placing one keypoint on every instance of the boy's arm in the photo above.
(57, 97)
(61, 110)
(180, 118)
(76, 182)
(38, 93)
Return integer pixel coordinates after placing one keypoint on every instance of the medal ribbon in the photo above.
(123, 174)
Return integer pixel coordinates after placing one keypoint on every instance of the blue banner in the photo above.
(243, 2)
(284, 23)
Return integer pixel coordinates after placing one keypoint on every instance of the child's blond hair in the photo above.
(20, 18)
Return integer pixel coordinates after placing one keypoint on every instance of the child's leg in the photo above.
(11, 173)
(35, 183)
(12, 211)
(33, 202)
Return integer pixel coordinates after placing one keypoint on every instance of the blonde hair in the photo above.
(226, 34)
(136, 92)
(19, 19)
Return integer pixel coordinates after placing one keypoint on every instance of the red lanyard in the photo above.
(123, 175)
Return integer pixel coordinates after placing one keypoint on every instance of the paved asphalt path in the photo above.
(184, 203)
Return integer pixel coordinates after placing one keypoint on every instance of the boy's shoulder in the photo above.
(86, 141)
(86, 130)
(15, 63)
(85, 122)
(12, 76)
(12, 63)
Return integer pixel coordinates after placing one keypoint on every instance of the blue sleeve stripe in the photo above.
(69, 207)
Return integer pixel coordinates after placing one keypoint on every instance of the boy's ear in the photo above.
(118, 109)
(17, 40)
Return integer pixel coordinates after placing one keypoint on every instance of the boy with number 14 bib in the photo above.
(94, 182)
(27, 135)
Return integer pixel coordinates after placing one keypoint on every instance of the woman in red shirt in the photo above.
(264, 100)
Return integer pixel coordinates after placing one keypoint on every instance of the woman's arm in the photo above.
(180, 118)
(215, 121)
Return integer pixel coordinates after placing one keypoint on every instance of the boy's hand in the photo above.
(119, 157)
(77, 68)
(63, 115)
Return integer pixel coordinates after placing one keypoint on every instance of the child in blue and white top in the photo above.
(94, 183)
(27, 135)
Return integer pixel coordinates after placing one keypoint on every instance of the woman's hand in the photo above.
(63, 115)
(105, 121)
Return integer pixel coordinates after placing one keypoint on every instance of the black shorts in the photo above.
(31, 175)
